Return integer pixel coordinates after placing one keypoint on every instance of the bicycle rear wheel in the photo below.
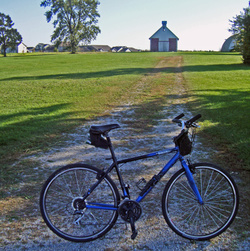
(186, 216)
(59, 203)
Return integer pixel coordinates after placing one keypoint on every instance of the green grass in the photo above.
(43, 95)
(220, 86)
(38, 91)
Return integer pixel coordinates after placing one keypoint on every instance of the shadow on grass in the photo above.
(133, 71)
(34, 112)
(227, 112)
(27, 131)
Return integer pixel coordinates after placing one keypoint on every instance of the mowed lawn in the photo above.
(44, 95)
(219, 87)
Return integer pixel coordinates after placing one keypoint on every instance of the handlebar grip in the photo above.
(179, 116)
(176, 119)
(189, 122)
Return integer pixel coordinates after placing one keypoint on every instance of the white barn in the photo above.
(163, 39)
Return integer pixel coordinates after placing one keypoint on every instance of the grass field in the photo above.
(219, 86)
(44, 95)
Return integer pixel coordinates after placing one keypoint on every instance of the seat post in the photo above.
(110, 147)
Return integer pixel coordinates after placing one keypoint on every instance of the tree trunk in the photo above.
(4, 50)
(73, 46)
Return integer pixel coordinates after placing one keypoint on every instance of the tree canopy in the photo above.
(240, 27)
(74, 21)
(9, 37)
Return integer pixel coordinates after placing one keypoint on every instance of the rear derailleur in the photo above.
(130, 211)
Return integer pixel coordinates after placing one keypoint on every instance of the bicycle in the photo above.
(81, 203)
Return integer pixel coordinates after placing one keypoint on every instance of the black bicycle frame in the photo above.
(150, 184)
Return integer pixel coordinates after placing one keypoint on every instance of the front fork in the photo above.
(191, 180)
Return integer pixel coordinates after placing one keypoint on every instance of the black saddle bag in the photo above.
(97, 140)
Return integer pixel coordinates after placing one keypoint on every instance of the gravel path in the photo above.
(153, 231)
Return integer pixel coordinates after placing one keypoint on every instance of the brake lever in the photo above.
(195, 125)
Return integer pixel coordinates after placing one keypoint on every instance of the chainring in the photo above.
(130, 208)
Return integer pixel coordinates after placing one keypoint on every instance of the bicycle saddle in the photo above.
(103, 128)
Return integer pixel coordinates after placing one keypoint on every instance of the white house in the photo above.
(21, 48)
(163, 39)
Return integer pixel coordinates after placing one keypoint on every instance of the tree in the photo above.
(9, 37)
(74, 21)
(240, 27)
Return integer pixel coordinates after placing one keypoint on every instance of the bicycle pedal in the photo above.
(134, 231)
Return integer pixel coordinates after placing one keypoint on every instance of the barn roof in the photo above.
(163, 29)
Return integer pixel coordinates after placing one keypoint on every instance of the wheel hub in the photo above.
(78, 204)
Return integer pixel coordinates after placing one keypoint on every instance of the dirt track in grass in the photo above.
(22, 226)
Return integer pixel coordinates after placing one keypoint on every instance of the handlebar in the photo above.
(177, 119)
(187, 123)
(192, 120)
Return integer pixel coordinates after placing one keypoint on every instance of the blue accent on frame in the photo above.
(101, 206)
(151, 154)
(191, 181)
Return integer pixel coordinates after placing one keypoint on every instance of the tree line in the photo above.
(76, 21)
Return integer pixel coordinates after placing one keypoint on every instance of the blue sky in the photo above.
(199, 24)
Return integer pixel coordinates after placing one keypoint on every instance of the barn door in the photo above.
(172, 44)
(154, 44)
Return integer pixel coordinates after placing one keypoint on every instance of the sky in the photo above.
(199, 24)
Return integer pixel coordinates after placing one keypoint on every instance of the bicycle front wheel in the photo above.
(63, 210)
(186, 216)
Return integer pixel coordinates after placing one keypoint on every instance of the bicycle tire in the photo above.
(60, 193)
(186, 216)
